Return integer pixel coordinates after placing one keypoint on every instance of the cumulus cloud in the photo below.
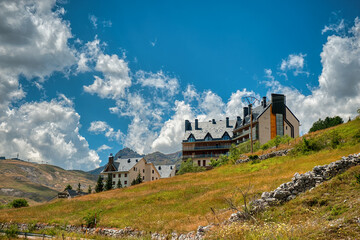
(101, 127)
(47, 132)
(337, 28)
(158, 80)
(116, 77)
(339, 82)
(295, 63)
(234, 106)
(103, 148)
(190, 93)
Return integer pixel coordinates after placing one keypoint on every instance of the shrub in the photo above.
(357, 177)
(326, 123)
(188, 166)
(12, 231)
(18, 203)
(92, 218)
(138, 180)
(222, 160)
(68, 187)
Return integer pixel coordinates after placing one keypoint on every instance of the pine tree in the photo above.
(79, 188)
(68, 187)
(99, 185)
(109, 184)
(89, 189)
(133, 182)
(119, 184)
(138, 179)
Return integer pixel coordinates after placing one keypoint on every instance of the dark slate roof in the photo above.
(257, 111)
(72, 193)
(165, 170)
(216, 129)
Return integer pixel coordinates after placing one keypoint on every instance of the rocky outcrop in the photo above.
(266, 156)
(303, 182)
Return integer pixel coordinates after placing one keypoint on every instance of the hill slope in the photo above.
(184, 202)
(37, 182)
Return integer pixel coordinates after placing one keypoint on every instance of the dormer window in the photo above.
(226, 136)
(191, 138)
(208, 137)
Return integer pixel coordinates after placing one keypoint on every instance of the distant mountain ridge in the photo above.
(157, 158)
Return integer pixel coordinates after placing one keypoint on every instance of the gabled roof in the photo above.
(165, 170)
(216, 129)
(125, 164)
(257, 112)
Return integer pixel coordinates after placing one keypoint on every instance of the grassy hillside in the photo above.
(184, 202)
(37, 182)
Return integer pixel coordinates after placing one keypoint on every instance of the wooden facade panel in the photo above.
(272, 123)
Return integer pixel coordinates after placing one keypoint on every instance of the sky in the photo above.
(80, 81)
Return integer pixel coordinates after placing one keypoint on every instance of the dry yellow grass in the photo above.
(181, 203)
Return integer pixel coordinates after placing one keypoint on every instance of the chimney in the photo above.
(264, 102)
(187, 125)
(213, 121)
(196, 124)
(111, 159)
(245, 111)
(227, 122)
(238, 119)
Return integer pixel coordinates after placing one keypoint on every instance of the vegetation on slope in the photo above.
(37, 182)
(184, 202)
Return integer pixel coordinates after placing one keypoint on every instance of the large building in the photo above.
(203, 141)
(128, 169)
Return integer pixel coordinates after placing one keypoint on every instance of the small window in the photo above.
(153, 171)
(114, 175)
(191, 138)
(199, 163)
(125, 174)
(204, 162)
(208, 138)
(125, 182)
(113, 182)
(226, 137)
(119, 175)
(143, 170)
(143, 177)
(152, 178)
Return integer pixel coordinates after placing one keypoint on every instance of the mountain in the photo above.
(38, 182)
(127, 153)
(157, 158)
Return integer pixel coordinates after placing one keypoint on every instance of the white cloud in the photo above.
(190, 93)
(268, 74)
(338, 92)
(294, 62)
(234, 106)
(169, 139)
(101, 127)
(103, 148)
(116, 77)
(338, 28)
(212, 106)
(93, 19)
(158, 80)
(88, 55)
(107, 23)
(46, 132)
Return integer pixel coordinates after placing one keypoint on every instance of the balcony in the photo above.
(187, 148)
(185, 157)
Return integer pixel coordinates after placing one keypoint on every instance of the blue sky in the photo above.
(82, 80)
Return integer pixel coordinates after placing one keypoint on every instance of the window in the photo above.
(143, 170)
(279, 125)
(114, 175)
(152, 178)
(125, 174)
(226, 136)
(204, 162)
(199, 163)
(119, 175)
(125, 182)
(113, 182)
(208, 138)
(143, 177)
(153, 171)
(191, 138)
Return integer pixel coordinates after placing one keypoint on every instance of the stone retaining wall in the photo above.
(266, 156)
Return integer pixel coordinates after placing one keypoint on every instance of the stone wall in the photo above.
(266, 156)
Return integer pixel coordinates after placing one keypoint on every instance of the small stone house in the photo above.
(69, 193)
(128, 169)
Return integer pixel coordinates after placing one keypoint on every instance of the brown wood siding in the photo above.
(272, 123)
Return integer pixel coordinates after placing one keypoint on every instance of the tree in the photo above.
(18, 203)
(68, 187)
(79, 188)
(188, 166)
(326, 123)
(89, 189)
(99, 185)
(109, 183)
(138, 180)
(118, 185)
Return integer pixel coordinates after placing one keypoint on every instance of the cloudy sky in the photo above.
(79, 81)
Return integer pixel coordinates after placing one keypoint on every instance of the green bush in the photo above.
(275, 142)
(222, 160)
(357, 176)
(92, 218)
(12, 231)
(18, 203)
(188, 166)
